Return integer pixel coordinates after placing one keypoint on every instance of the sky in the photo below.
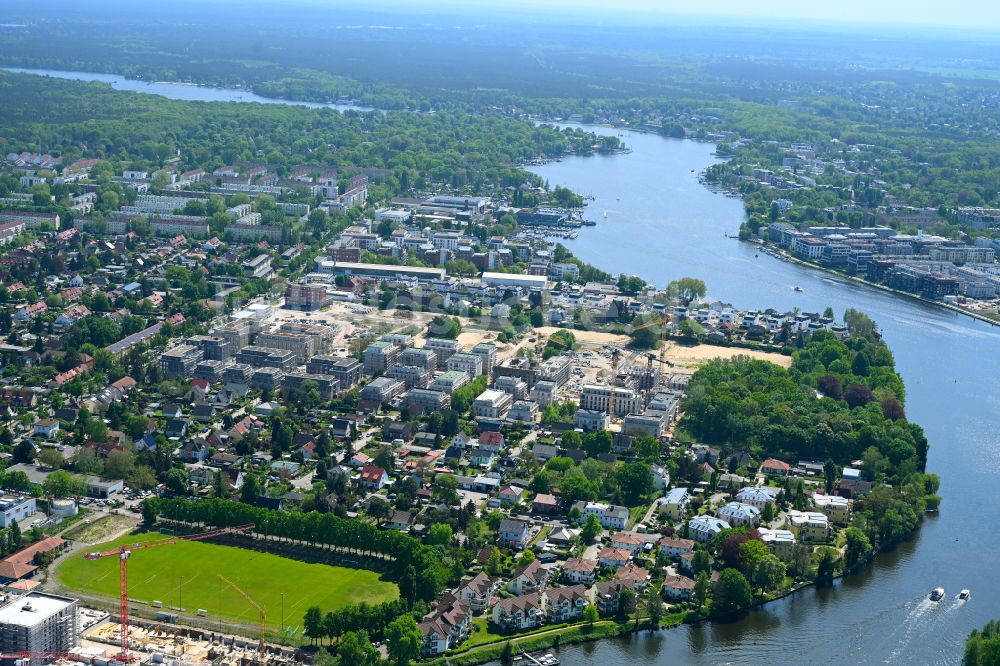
(980, 14)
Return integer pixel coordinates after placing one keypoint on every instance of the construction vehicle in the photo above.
(261, 657)
(124, 552)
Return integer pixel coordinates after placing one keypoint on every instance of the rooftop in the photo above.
(32, 609)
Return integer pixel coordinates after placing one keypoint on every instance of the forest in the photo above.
(462, 149)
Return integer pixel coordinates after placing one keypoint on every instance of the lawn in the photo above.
(156, 574)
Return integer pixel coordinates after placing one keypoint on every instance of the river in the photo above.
(181, 91)
(663, 224)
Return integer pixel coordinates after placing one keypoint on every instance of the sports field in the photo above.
(190, 569)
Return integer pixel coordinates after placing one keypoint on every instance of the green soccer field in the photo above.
(191, 569)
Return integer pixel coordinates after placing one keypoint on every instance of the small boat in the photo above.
(798, 288)
(937, 594)
(964, 594)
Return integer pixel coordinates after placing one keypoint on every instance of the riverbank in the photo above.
(786, 256)
(546, 639)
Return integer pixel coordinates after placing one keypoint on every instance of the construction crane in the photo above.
(260, 611)
(124, 552)
(616, 355)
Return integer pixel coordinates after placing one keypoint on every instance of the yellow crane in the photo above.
(261, 658)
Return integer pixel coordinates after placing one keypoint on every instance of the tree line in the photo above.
(315, 529)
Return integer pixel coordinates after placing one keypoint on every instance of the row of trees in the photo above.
(316, 529)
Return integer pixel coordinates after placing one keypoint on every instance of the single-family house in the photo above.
(775, 467)
(510, 495)
(514, 533)
(373, 477)
(399, 520)
(545, 504)
(46, 428)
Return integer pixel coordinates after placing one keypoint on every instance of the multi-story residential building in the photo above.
(173, 226)
(514, 533)
(675, 505)
(704, 528)
(565, 604)
(348, 371)
(267, 357)
(492, 404)
(597, 397)
(238, 373)
(180, 361)
(675, 546)
(781, 543)
(610, 516)
(447, 627)
(443, 348)
(488, 353)
(301, 346)
(523, 411)
(579, 570)
(213, 348)
(449, 382)
(38, 623)
(470, 364)
(543, 393)
(512, 385)
(267, 377)
(478, 591)
(236, 332)
(637, 425)
(758, 497)
(556, 369)
(738, 514)
(412, 376)
(809, 526)
(382, 389)
(531, 577)
(258, 267)
(590, 420)
(426, 400)
(296, 381)
(379, 355)
(836, 508)
(519, 613)
(423, 358)
(306, 297)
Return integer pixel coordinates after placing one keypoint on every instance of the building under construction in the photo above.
(38, 623)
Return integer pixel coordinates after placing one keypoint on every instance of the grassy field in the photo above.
(156, 573)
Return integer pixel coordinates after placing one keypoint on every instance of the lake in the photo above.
(663, 224)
